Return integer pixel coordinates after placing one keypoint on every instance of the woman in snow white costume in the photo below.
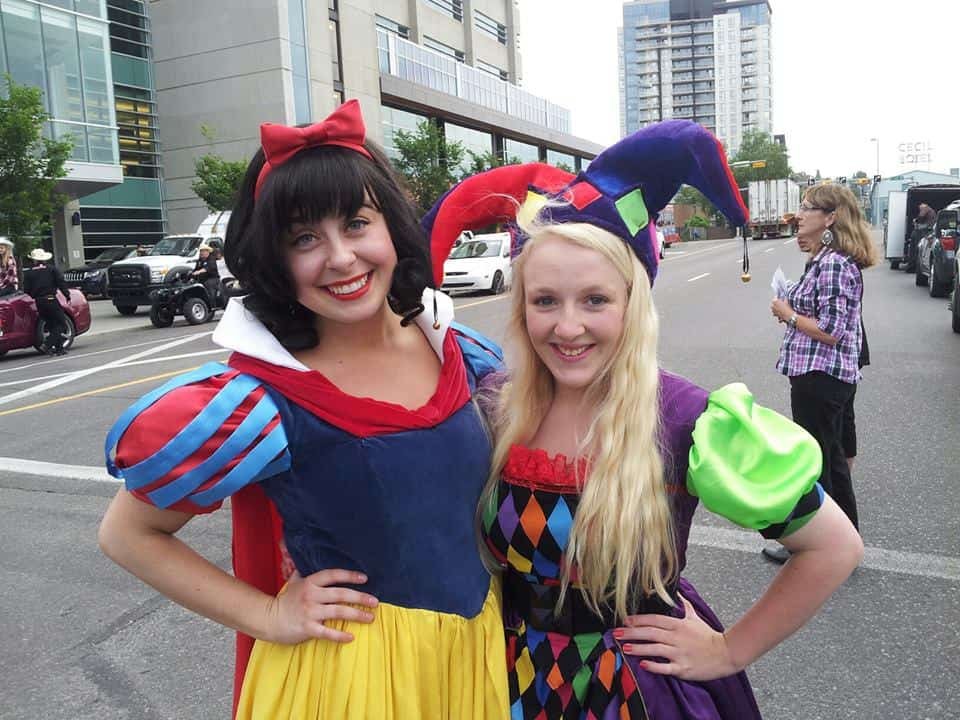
(343, 429)
(600, 456)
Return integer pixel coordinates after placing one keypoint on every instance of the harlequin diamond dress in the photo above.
(745, 462)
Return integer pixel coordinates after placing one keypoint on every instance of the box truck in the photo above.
(772, 204)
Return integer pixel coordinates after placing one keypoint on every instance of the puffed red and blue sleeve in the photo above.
(198, 439)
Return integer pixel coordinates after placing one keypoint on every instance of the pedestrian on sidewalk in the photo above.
(824, 344)
(601, 457)
(41, 282)
(344, 433)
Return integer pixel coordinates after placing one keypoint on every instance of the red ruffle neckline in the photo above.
(536, 469)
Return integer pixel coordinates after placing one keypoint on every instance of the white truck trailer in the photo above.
(772, 203)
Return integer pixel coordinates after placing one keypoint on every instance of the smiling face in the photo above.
(342, 267)
(574, 303)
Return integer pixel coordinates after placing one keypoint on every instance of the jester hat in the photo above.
(623, 191)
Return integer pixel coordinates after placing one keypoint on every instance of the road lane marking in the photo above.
(769, 250)
(148, 361)
(790, 241)
(698, 277)
(88, 393)
(481, 302)
(874, 558)
(77, 356)
(57, 470)
(12, 397)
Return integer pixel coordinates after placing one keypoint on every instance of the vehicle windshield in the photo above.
(476, 249)
(184, 246)
(112, 254)
(948, 220)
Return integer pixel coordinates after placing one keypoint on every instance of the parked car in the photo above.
(479, 262)
(91, 279)
(955, 300)
(20, 326)
(936, 252)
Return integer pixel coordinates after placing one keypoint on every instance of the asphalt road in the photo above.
(81, 639)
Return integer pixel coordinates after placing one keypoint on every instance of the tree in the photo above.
(481, 162)
(759, 146)
(428, 161)
(218, 181)
(30, 166)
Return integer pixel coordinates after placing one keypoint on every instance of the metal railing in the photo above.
(423, 66)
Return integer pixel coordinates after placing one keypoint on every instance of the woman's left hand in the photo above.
(692, 649)
(781, 309)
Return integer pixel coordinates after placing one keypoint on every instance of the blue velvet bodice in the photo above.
(398, 507)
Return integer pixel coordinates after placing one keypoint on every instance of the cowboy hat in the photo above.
(6, 241)
(204, 247)
(40, 255)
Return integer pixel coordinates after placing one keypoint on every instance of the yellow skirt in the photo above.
(407, 664)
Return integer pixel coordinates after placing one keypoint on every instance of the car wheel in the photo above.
(161, 316)
(920, 280)
(496, 287)
(894, 264)
(196, 311)
(127, 309)
(936, 287)
(43, 335)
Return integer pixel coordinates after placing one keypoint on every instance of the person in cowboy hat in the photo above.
(206, 271)
(9, 283)
(601, 457)
(41, 282)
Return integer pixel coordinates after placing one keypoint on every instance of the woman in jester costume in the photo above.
(344, 432)
(601, 457)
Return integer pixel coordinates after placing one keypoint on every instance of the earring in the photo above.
(827, 237)
(436, 314)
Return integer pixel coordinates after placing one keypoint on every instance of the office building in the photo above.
(701, 60)
(223, 68)
(62, 47)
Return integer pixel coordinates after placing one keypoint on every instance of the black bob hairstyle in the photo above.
(314, 184)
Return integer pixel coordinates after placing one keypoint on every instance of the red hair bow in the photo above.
(343, 127)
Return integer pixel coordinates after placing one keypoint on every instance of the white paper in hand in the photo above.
(780, 284)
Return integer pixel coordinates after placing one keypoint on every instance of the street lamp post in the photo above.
(877, 141)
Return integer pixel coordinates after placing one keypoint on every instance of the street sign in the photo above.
(758, 164)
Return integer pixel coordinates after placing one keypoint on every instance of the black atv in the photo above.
(183, 295)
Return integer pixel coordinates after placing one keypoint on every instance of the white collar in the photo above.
(240, 331)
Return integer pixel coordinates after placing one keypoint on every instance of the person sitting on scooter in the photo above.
(206, 272)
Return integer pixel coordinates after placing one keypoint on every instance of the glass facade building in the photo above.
(63, 50)
(130, 213)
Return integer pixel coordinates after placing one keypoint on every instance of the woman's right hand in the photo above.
(307, 603)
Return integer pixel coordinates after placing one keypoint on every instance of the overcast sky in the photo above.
(844, 71)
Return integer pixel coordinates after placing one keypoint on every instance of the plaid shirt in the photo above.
(8, 274)
(830, 291)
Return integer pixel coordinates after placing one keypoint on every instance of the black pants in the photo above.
(821, 404)
(56, 321)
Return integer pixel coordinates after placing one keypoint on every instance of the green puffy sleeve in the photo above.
(753, 466)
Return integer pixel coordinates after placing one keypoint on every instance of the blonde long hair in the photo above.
(622, 540)
(850, 231)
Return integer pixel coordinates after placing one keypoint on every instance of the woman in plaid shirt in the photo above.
(821, 347)
(8, 268)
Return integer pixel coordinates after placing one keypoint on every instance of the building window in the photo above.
(516, 151)
(475, 142)
(443, 48)
(564, 161)
(492, 69)
(486, 24)
(394, 27)
(453, 8)
(392, 120)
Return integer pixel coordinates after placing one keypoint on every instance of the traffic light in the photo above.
(811, 181)
(877, 178)
(842, 179)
